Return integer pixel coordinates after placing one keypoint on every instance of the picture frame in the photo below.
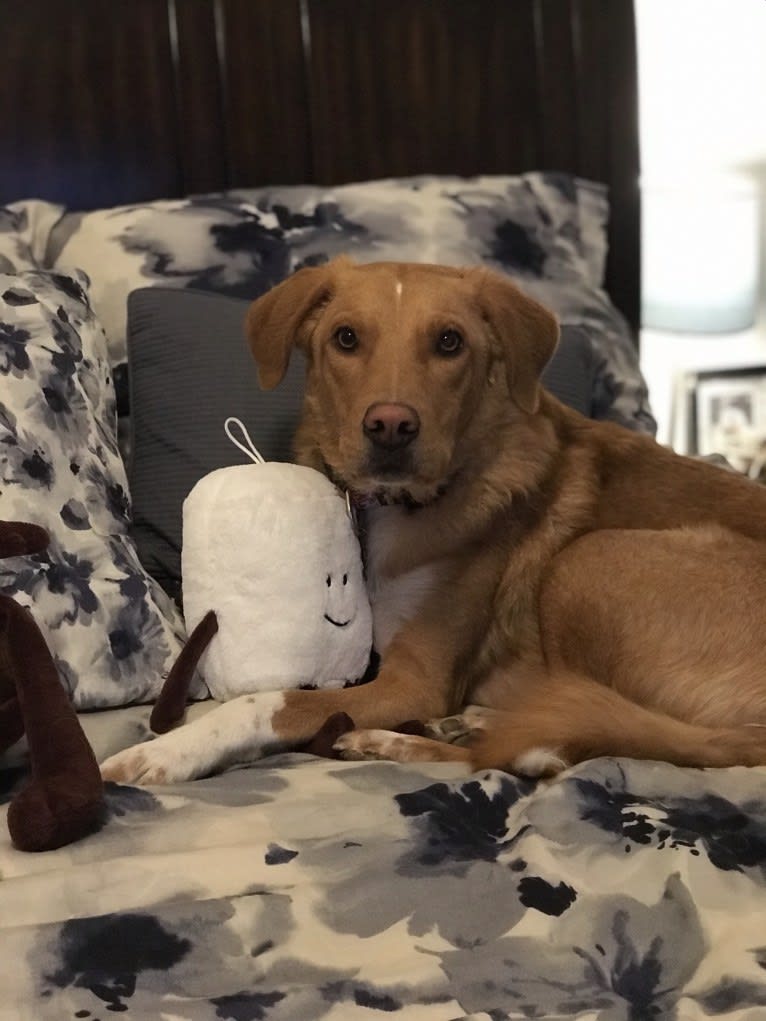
(730, 417)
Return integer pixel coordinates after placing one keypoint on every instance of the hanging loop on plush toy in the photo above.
(254, 454)
(250, 450)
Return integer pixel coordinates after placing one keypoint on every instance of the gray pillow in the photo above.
(190, 368)
(571, 373)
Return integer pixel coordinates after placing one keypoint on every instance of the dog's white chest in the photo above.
(394, 600)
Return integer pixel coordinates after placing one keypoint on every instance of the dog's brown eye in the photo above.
(449, 342)
(346, 339)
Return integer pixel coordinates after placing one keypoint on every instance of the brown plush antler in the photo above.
(64, 799)
(170, 706)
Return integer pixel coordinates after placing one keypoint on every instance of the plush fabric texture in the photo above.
(303, 889)
(196, 340)
(170, 706)
(112, 630)
(547, 230)
(271, 549)
(64, 799)
(24, 231)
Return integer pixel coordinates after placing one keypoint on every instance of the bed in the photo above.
(165, 161)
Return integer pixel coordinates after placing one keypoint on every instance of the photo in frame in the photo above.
(730, 418)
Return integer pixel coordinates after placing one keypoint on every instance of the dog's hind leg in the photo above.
(445, 740)
(386, 744)
(568, 718)
(461, 727)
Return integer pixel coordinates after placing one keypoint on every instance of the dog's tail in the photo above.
(568, 718)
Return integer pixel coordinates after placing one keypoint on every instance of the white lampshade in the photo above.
(700, 252)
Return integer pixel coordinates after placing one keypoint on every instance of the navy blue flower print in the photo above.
(111, 630)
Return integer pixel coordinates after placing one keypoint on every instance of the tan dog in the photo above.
(594, 592)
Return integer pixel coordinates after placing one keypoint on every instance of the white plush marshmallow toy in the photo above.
(273, 585)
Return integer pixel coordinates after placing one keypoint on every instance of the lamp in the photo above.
(700, 250)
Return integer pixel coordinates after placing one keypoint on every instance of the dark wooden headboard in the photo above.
(114, 101)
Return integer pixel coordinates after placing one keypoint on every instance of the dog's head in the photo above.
(411, 367)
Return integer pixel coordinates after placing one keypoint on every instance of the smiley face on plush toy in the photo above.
(340, 608)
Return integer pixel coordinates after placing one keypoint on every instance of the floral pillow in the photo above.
(547, 230)
(243, 242)
(24, 230)
(113, 632)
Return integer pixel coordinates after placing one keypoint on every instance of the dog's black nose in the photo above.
(391, 426)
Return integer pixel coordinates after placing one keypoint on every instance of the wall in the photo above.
(702, 85)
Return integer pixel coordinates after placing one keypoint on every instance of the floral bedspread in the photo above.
(302, 888)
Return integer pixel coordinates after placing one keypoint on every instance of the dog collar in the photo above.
(357, 503)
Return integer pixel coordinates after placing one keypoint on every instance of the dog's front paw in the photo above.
(152, 763)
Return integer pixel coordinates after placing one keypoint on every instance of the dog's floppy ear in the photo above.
(526, 332)
(276, 322)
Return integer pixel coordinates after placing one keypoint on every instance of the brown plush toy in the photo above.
(64, 800)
